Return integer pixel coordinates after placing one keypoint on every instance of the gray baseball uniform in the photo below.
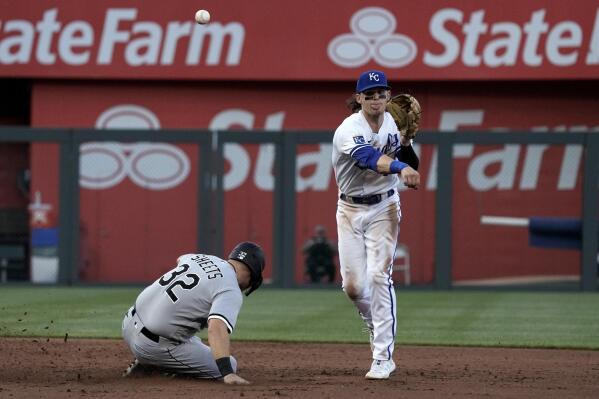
(160, 328)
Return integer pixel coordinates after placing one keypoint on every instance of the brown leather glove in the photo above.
(406, 112)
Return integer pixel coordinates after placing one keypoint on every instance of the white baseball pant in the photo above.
(367, 241)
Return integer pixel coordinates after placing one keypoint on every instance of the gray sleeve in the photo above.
(225, 307)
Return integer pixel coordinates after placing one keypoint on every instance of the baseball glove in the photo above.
(406, 112)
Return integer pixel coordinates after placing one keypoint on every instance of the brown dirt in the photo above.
(53, 368)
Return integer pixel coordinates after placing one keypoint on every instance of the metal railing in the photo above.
(210, 186)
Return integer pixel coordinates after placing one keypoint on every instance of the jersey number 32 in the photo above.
(179, 281)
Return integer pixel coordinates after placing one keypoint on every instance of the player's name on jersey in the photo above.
(208, 266)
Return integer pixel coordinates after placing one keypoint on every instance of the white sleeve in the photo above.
(349, 140)
(226, 307)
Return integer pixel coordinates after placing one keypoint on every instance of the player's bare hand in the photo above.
(410, 177)
(234, 379)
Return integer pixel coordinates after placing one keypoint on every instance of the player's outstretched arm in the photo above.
(373, 159)
(410, 177)
(218, 338)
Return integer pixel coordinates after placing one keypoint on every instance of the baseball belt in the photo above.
(147, 333)
(368, 200)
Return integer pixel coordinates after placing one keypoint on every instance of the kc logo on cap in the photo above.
(370, 80)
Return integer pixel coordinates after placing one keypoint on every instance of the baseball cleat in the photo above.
(380, 370)
(137, 369)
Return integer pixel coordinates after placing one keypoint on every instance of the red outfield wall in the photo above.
(473, 65)
(516, 181)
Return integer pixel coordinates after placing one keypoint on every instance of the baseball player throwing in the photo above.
(369, 153)
(201, 291)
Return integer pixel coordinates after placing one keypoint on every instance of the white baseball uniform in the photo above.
(160, 328)
(368, 215)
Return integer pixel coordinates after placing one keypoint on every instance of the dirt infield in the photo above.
(53, 368)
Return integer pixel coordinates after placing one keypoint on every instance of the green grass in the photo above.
(516, 319)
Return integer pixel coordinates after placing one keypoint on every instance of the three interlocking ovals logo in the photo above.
(154, 166)
(372, 38)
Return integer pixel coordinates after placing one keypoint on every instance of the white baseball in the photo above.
(202, 17)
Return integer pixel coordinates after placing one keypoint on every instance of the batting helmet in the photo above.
(252, 256)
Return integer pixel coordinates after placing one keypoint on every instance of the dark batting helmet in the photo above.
(252, 256)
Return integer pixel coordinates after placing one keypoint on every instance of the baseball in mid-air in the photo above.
(202, 17)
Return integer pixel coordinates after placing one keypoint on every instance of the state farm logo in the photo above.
(372, 38)
(123, 37)
(471, 39)
(153, 166)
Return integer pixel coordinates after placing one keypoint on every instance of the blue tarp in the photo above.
(555, 232)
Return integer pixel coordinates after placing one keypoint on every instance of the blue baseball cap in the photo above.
(370, 80)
